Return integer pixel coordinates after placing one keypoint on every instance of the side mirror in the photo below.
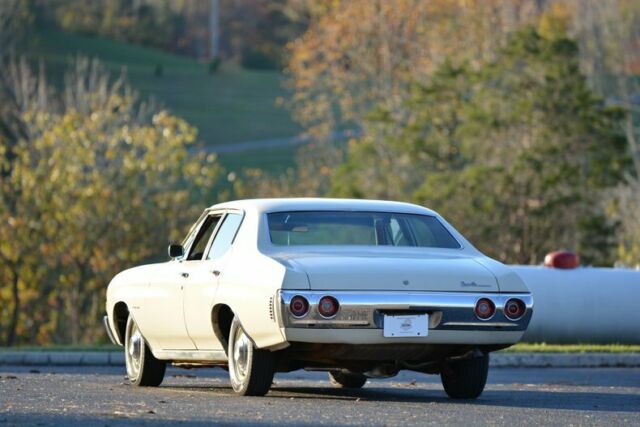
(175, 251)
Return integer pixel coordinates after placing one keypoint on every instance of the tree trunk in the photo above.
(214, 29)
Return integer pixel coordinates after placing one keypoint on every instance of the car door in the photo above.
(159, 313)
(202, 283)
(162, 317)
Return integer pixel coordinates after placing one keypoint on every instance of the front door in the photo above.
(159, 313)
(169, 331)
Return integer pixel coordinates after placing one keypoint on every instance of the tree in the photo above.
(516, 154)
(92, 189)
(624, 205)
(361, 54)
(609, 35)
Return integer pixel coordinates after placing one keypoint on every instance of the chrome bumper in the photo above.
(105, 322)
(453, 311)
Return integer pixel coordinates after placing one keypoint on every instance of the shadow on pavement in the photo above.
(533, 399)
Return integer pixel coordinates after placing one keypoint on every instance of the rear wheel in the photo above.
(344, 379)
(250, 369)
(466, 378)
(143, 369)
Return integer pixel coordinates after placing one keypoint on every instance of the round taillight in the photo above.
(485, 309)
(562, 259)
(299, 306)
(514, 309)
(328, 306)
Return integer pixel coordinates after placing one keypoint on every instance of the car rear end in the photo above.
(394, 317)
(390, 290)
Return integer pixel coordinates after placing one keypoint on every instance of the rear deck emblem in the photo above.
(473, 285)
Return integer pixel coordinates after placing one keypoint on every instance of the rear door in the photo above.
(202, 282)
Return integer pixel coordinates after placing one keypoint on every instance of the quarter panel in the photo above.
(249, 285)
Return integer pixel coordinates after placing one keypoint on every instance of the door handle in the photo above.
(216, 272)
(185, 275)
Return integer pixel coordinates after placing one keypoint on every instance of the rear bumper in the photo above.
(360, 319)
(375, 336)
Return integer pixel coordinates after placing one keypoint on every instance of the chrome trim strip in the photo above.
(448, 310)
(482, 324)
(191, 355)
(334, 322)
(105, 322)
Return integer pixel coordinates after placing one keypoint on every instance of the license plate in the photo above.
(406, 325)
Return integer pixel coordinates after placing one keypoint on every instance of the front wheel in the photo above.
(250, 369)
(143, 369)
(465, 378)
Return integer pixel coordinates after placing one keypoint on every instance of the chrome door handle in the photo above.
(216, 272)
(185, 275)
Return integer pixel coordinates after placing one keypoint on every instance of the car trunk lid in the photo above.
(389, 273)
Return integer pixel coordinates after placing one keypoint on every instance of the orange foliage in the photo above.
(362, 53)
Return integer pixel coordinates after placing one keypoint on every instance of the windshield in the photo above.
(358, 228)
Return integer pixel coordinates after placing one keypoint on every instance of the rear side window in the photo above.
(317, 228)
(225, 235)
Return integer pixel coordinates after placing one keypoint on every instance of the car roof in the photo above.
(323, 204)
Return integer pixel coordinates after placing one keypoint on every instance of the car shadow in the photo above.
(531, 399)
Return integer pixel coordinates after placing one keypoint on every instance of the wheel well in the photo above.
(120, 317)
(221, 318)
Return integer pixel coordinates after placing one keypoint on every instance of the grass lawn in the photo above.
(233, 105)
(273, 159)
(573, 348)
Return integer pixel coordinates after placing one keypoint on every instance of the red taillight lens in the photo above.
(485, 308)
(299, 306)
(328, 306)
(514, 309)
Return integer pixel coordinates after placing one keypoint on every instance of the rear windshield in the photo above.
(358, 228)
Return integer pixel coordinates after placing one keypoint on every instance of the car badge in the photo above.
(473, 285)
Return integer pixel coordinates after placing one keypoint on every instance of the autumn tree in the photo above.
(95, 187)
(358, 54)
(516, 154)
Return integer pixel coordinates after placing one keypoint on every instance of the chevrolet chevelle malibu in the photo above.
(358, 288)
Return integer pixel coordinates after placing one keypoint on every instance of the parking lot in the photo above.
(101, 396)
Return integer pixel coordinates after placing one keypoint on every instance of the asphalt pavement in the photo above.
(59, 395)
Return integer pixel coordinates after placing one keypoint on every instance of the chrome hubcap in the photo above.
(240, 356)
(134, 352)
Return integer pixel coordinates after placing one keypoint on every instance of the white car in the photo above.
(359, 288)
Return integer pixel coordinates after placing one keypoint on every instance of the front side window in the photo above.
(318, 228)
(203, 236)
(225, 235)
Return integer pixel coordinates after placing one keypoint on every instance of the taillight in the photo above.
(299, 306)
(328, 306)
(514, 309)
(485, 309)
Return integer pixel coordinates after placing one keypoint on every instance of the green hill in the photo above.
(233, 105)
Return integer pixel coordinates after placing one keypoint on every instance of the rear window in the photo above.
(358, 228)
